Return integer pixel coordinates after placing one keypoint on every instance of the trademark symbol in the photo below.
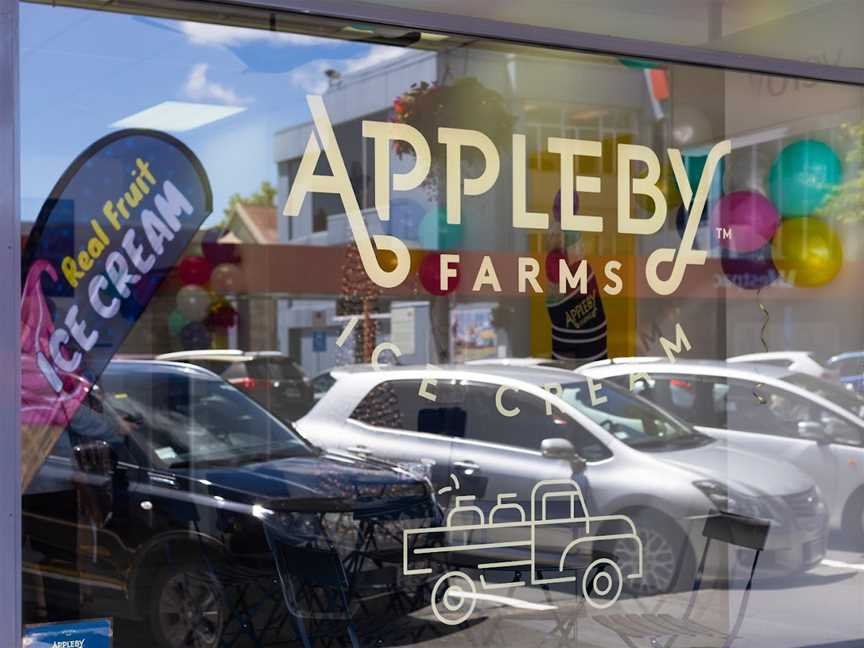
(723, 233)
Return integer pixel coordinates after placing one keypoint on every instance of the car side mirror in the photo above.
(94, 457)
(558, 448)
(813, 431)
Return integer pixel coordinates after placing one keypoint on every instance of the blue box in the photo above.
(87, 633)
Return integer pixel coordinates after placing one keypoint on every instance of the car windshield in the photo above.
(631, 419)
(184, 419)
(274, 369)
(848, 400)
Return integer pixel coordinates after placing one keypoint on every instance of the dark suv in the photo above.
(270, 377)
(167, 478)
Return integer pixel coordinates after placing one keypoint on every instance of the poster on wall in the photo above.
(89, 633)
(109, 233)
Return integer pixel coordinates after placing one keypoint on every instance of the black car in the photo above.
(169, 485)
(273, 379)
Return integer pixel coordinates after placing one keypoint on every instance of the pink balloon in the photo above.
(749, 218)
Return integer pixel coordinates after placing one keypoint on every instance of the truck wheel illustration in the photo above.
(448, 604)
(601, 583)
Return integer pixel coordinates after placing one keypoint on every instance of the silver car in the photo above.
(499, 430)
(773, 412)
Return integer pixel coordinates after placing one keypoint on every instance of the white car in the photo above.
(812, 423)
(490, 428)
(798, 361)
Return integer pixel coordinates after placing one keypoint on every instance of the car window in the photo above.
(755, 407)
(529, 427)
(230, 370)
(848, 400)
(630, 418)
(95, 420)
(321, 384)
(684, 396)
(274, 369)
(397, 404)
(183, 419)
(849, 366)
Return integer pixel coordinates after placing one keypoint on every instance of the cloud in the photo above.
(209, 34)
(310, 76)
(198, 86)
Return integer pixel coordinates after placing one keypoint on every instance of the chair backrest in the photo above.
(739, 530)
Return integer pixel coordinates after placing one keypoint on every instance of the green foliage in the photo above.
(845, 204)
(264, 197)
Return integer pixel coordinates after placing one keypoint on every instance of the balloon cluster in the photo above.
(202, 309)
(765, 224)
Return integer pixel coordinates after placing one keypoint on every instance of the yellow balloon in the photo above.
(807, 251)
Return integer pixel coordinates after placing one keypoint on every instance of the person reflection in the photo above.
(67, 503)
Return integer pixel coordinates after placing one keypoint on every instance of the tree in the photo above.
(845, 203)
(264, 197)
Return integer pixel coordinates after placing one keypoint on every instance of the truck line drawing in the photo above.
(602, 577)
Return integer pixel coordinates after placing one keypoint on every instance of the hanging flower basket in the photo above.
(464, 103)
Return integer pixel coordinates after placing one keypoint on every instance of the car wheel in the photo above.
(667, 557)
(186, 610)
(853, 523)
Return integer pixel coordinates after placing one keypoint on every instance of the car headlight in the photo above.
(726, 500)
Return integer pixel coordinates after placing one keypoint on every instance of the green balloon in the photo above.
(802, 176)
(176, 322)
(436, 234)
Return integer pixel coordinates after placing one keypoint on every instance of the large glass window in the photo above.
(344, 333)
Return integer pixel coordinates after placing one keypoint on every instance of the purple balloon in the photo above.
(556, 205)
(750, 218)
(195, 336)
(750, 271)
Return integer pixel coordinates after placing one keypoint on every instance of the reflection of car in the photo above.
(798, 361)
(850, 367)
(190, 470)
(270, 377)
(640, 462)
(812, 423)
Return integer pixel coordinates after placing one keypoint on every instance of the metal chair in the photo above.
(728, 528)
(314, 587)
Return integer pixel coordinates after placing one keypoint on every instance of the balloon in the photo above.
(556, 205)
(222, 315)
(436, 234)
(807, 251)
(387, 260)
(802, 175)
(176, 322)
(195, 336)
(227, 278)
(193, 302)
(750, 271)
(749, 217)
(217, 253)
(703, 234)
(668, 187)
(553, 265)
(194, 270)
(430, 275)
(690, 126)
